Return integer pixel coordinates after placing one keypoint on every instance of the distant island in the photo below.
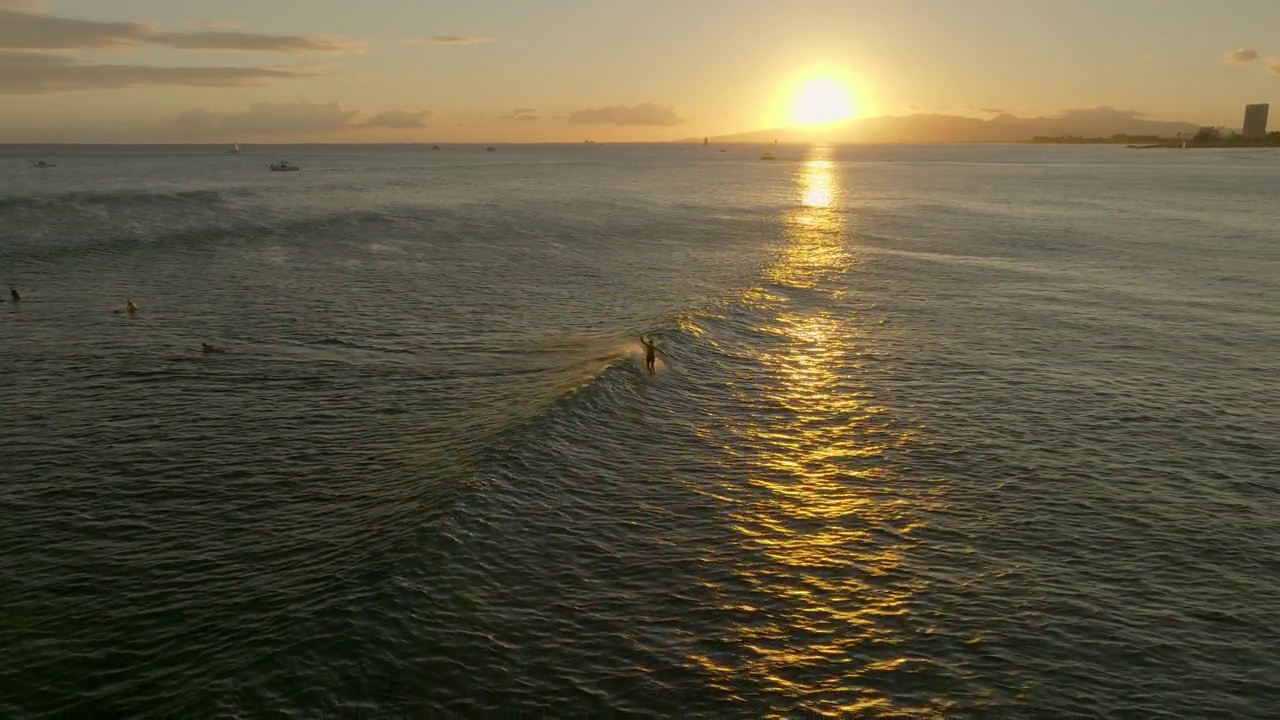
(1098, 122)
(1085, 126)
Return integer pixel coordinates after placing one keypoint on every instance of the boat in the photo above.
(435, 147)
(42, 164)
(235, 148)
(284, 166)
(768, 156)
(488, 149)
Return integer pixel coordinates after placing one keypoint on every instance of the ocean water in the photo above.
(934, 430)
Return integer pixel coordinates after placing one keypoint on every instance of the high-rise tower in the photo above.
(1255, 120)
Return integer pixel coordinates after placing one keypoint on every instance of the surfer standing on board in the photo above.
(649, 351)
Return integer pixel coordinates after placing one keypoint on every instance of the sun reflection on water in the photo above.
(815, 228)
(819, 185)
(818, 512)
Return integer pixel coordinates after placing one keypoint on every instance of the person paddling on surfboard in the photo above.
(649, 353)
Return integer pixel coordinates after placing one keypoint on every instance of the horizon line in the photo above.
(481, 143)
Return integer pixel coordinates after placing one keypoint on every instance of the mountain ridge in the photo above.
(1102, 121)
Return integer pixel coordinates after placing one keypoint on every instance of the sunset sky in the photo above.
(568, 70)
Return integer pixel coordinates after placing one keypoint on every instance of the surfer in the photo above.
(649, 353)
(13, 293)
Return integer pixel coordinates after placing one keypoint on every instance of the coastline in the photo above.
(1152, 142)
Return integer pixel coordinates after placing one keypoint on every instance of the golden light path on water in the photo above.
(816, 513)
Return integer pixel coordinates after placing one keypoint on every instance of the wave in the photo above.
(613, 380)
(604, 383)
(113, 199)
(65, 229)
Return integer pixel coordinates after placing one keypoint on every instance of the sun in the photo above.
(822, 99)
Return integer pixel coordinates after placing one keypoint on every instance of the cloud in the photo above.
(266, 118)
(1244, 56)
(398, 119)
(216, 24)
(447, 40)
(256, 42)
(1241, 56)
(642, 114)
(29, 31)
(1101, 112)
(41, 73)
(24, 6)
(521, 114)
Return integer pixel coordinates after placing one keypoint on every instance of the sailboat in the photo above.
(235, 147)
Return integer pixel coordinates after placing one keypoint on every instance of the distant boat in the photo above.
(284, 166)
(768, 156)
(435, 147)
(704, 141)
(42, 164)
(235, 147)
(488, 149)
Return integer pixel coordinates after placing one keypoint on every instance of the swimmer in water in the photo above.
(130, 307)
(13, 293)
(649, 353)
(207, 348)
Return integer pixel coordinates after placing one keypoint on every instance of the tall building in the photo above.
(1255, 120)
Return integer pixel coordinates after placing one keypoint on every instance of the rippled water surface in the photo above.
(972, 429)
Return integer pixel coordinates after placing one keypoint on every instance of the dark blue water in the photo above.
(980, 429)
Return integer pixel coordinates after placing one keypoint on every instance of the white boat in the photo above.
(235, 147)
(284, 166)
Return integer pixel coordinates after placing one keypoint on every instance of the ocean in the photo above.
(975, 430)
